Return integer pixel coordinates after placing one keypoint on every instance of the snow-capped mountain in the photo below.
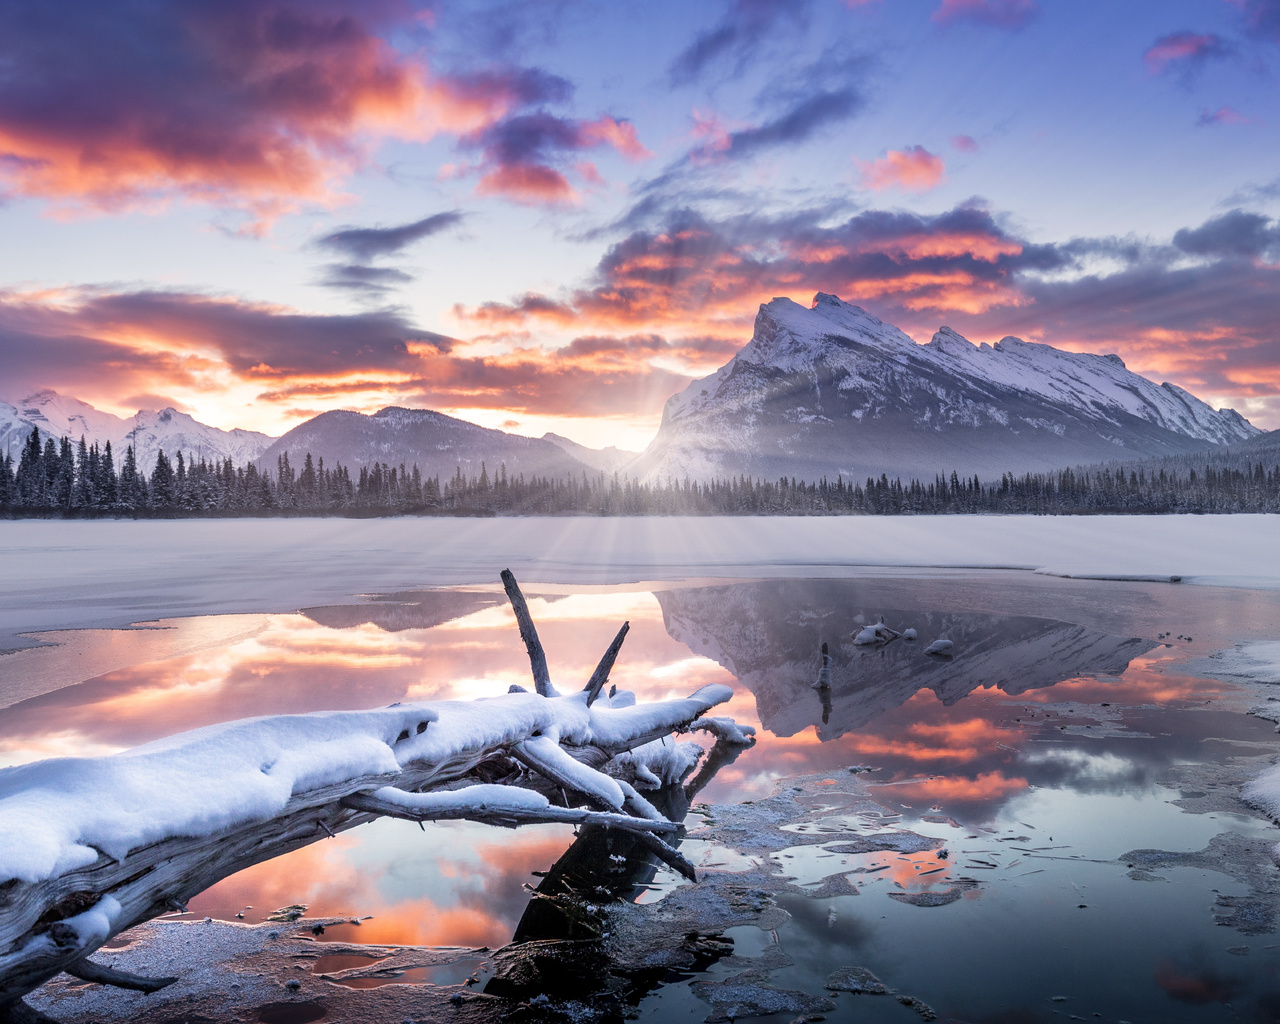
(148, 430)
(769, 636)
(437, 443)
(606, 460)
(832, 390)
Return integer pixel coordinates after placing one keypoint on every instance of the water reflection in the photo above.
(1028, 707)
(768, 635)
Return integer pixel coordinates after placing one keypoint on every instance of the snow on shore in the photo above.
(68, 574)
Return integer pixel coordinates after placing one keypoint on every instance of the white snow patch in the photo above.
(1258, 662)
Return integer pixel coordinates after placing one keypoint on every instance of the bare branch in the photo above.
(529, 634)
(601, 675)
(509, 817)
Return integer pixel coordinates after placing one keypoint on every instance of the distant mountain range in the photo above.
(832, 391)
(440, 445)
(828, 390)
(148, 431)
(604, 460)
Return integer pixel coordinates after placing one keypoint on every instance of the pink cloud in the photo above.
(1223, 115)
(1183, 49)
(1009, 14)
(964, 143)
(914, 169)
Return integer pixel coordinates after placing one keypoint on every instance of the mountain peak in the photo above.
(831, 390)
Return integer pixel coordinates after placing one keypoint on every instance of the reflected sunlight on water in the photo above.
(1026, 705)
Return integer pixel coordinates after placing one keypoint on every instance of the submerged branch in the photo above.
(87, 970)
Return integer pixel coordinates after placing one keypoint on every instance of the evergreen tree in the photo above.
(162, 482)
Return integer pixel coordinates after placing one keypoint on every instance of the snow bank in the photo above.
(1263, 792)
(1257, 662)
(660, 762)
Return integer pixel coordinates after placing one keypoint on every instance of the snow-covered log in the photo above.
(92, 846)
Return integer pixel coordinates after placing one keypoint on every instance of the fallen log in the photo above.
(90, 847)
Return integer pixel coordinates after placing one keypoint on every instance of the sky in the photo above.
(552, 215)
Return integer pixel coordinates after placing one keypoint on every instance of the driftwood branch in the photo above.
(418, 755)
(377, 803)
(529, 634)
(601, 675)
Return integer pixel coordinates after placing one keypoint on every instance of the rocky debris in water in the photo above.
(896, 842)
(550, 967)
(1245, 858)
(794, 816)
(1238, 950)
(926, 1011)
(234, 972)
(289, 913)
(1250, 915)
(935, 898)
(856, 979)
(941, 819)
(1140, 875)
(748, 995)
(831, 887)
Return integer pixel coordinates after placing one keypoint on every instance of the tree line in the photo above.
(57, 478)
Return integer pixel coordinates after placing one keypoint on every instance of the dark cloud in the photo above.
(694, 270)
(155, 343)
(368, 281)
(368, 243)
(261, 105)
(525, 157)
(237, 100)
(158, 339)
(736, 38)
(803, 120)
(1262, 19)
(1234, 234)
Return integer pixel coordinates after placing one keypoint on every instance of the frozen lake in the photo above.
(1051, 827)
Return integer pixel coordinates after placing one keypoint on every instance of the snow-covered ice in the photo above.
(1258, 661)
(71, 574)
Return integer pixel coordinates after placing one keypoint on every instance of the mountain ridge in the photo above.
(437, 443)
(831, 390)
(149, 430)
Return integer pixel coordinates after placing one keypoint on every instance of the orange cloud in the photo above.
(527, 184)
(914, 169)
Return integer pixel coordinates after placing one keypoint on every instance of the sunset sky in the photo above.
(551, 215)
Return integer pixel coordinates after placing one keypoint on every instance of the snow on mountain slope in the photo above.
(148, 431)
(174, 431)
(832, 390)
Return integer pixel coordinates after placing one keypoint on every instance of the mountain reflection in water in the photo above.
(768, 634)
